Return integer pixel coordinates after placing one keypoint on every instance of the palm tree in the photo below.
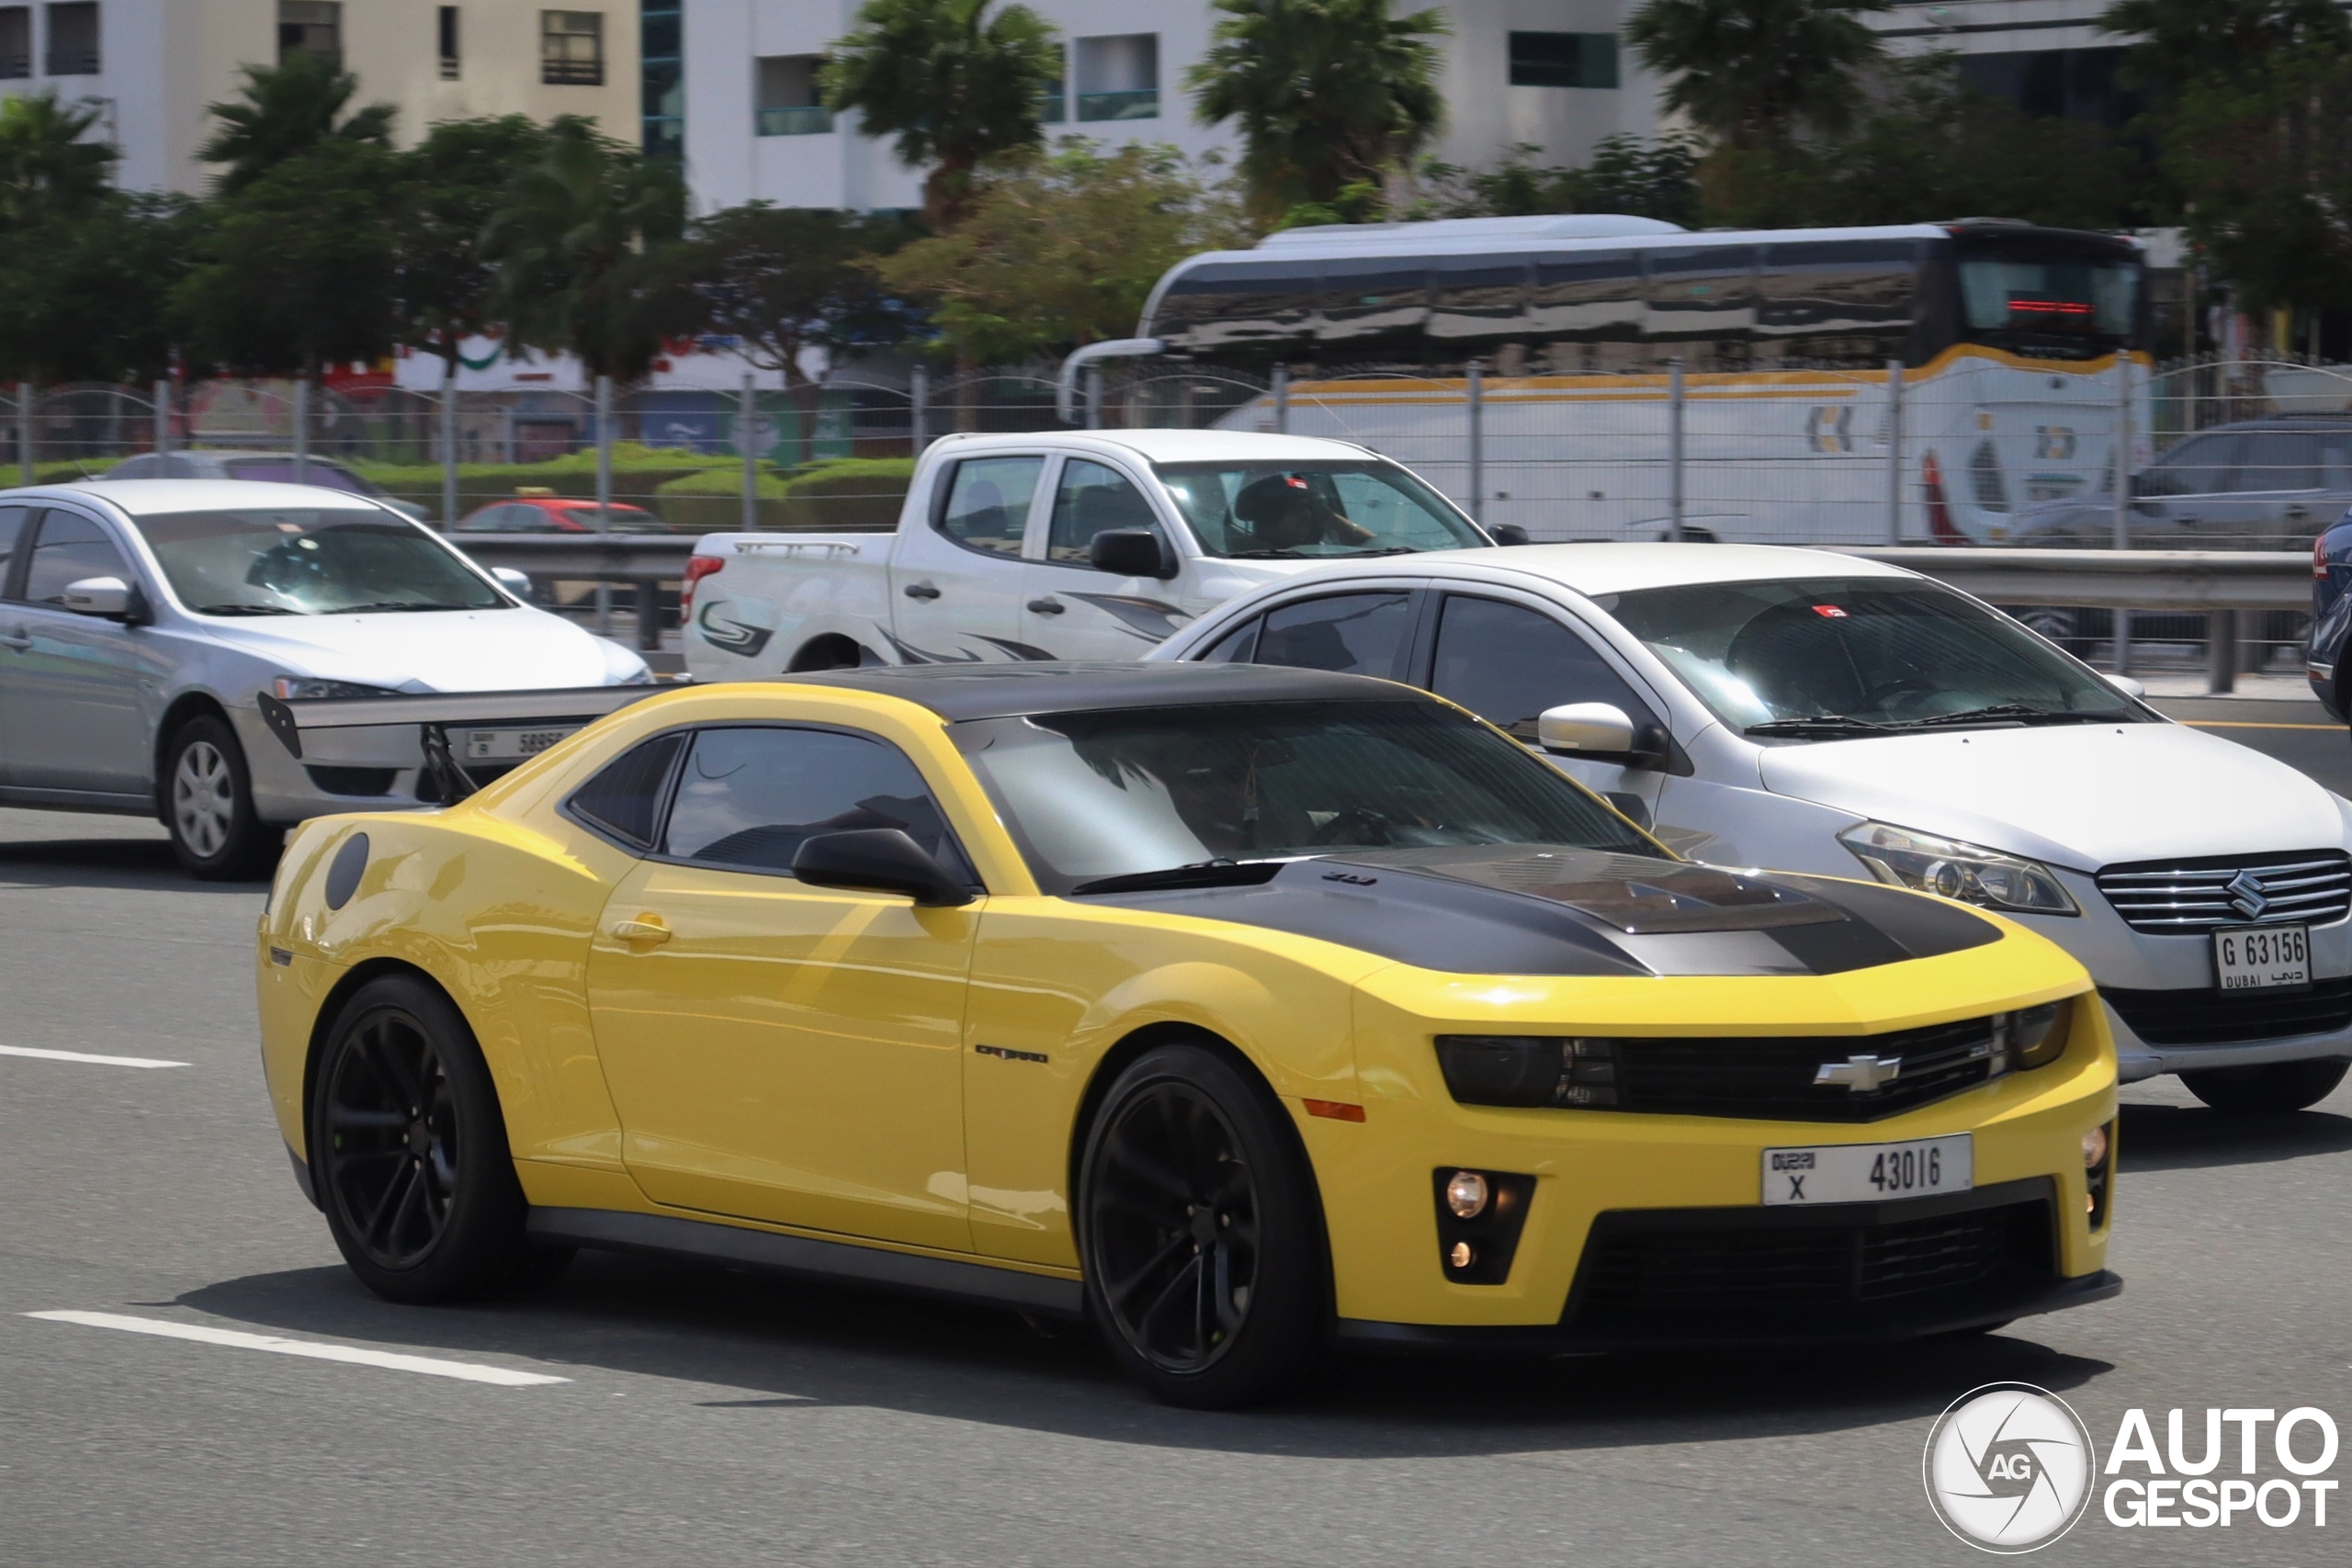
(570, 242)
(1327, 93)
(284, 111)
(954, 82)
(46, 167)
(2179, 41)
(1752, 73)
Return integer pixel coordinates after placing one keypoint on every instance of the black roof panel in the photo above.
(961, 692)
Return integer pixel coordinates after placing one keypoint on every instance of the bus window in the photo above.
(1840, 302)
(1476, 300)
(1589, 304)
(2067, 304)
(1240, 305)
(1367, 298)
(1702, 302)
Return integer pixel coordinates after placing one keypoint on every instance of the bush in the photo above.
(640, 474)
(845, 495)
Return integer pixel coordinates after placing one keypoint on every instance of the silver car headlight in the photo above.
(1970, 872)
(306, 688)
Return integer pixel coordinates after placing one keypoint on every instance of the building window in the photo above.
(15, 42)
(1053, 96)
(571, 47)
(73, 40)
(1118, 77)
(1564, 59)
(661, 81)
(448, 40)
(789, 102)
(310, 26)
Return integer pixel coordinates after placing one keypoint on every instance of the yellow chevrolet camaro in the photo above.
(1248, 1011)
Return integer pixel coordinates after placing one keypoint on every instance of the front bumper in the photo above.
(2136, 1058)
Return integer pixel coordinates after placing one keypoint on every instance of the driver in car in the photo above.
(1284, 512)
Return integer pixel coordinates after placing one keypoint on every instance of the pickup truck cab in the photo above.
(1094, 545)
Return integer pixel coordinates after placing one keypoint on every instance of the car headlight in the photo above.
(309, 688)
(1969, 872)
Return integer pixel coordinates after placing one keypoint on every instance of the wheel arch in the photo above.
(828, 650)
(186, 705)
(331, 1008)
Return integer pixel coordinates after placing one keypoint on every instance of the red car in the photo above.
(557, 514)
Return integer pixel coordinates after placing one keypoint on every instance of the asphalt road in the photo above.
(716, 1417)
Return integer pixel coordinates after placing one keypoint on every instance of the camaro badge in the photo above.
(1859, 1074)
(2248, 897)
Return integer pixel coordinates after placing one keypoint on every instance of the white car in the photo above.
(1814, 712)
(148, 626)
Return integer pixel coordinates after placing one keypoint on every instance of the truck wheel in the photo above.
(2273, 1086)
(209, 805)
(1203, 1247)
(828, 653)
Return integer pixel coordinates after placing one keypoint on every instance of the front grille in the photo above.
(2217, 1018)
(1774, 1078)
(2172, 897)
(1652, 1274)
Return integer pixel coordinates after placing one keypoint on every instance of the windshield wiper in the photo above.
(1221, 872)
(385, 606)
(2013, 713)
(247, 610)
(1815, 725)
(1266, 555)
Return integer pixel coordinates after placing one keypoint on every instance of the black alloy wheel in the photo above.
(409, 1154)
(2272, 1088)
(1204, 1249)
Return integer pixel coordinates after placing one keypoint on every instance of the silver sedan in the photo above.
(146, 624)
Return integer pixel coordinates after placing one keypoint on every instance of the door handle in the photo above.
(921, 591)
(16, 641)
(1046, 606)
(649, 931)
(2298, 512)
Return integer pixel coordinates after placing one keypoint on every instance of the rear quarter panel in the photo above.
(779, 591)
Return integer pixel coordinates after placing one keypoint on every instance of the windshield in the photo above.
(307, 562)
(1092, 795)
(1861, 654)
(2049, 301)
(1313, 511)
(286, 471)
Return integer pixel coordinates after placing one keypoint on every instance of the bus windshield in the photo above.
(2022, 299)
(1311, 511)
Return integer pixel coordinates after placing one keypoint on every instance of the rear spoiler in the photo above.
(434, 713)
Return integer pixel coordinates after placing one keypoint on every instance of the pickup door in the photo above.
(955, 571)
(1066, 607)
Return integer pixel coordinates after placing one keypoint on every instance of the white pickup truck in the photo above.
(1080, 545)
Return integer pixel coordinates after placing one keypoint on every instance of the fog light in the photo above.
(1467, 1194)
(2094, 1148)
(1463, 1254)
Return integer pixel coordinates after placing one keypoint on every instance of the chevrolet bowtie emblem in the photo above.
(2248, 897)
(1860, 1075)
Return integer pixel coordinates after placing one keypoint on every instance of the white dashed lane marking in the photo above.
(87, 1058)
(237, 1339)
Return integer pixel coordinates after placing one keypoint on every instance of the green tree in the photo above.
(283, 111)
(1327, 95)
(1759, 72)
(2177, 43)
(952, 83)
(572, 244)
(1627, 175)
(48, 165)
(85, 295)
(1062, 249)
(453, 183)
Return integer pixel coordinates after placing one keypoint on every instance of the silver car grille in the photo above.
(2313, 886)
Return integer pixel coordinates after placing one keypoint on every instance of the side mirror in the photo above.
(1131, 552)
(2125, 684)
(879, 860)
(109, 598)
(1508, 533)
(1597, 730)
(518, 583)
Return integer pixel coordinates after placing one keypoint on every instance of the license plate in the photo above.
(2262, 958)
(507, 745)
(1870, 1173)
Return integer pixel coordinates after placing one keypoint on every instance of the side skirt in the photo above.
(667, 1235)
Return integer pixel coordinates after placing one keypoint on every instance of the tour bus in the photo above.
(2008, 356)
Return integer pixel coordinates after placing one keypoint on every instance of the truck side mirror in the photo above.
(1131, 552)
(1508, 533)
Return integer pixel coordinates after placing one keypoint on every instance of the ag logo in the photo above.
(2008, 1468)
(1829, 428)
(2054, 443)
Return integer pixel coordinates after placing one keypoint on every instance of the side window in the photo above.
(2278, 459)
(1357, 634)
(625, 799)
(12, 524)
(1090, 500)
(2198, 466)
(1508, 663)
(68, 548)
(749, 797)
(1235, 647)
(987, 502)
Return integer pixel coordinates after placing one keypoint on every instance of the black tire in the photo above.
(208, 804)
(2272, 1088)
(830, 653)
(1201, 1234)
(409, 1154)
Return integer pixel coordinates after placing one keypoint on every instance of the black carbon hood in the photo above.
(1531, 909)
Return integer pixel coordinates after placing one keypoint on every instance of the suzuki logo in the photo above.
(1859, 1074)
(2248, 897)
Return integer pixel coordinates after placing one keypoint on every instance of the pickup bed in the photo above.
(1080, 545)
